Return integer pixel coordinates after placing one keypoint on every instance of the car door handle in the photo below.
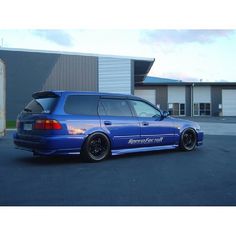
(107, 122)
(145, 123)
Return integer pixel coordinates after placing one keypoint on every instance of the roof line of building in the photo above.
(186, 83)
(150, 66)
(77, 53)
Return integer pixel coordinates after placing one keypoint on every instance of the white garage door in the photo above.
(229, 102)
(148, 94)
(202, 94)
(176, 94)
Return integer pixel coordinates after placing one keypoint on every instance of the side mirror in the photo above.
(165, 114)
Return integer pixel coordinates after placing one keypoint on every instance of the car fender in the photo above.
(186, 126)
(98, 130)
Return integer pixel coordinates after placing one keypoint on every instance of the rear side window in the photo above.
(81, 105)
(41, 105)
(114, 107)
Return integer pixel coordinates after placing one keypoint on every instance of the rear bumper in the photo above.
(50, 145)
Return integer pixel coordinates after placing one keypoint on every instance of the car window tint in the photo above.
(143, 109)
(81, 105)
(114, 107)
(41, 105)
(101, 110)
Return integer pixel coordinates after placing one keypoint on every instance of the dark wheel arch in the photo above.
(96, 147)
(188, 139)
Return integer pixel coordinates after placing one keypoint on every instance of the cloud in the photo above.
(184, 36)
(59, 37)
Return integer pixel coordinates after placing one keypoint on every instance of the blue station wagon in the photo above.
(98, 125)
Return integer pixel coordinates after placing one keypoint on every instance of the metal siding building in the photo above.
(28, 71)
(148, 94)
(176, 94)
(72, 73)
(195, 99)
(115, 75)
(228, 102)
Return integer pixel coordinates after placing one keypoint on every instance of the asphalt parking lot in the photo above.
(204, 177)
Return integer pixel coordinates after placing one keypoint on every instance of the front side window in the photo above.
(143, 109)
(114, 107)
(81, 105)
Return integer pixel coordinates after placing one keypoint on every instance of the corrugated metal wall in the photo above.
(162, 97)
(73, 73)
(188, 100)
(28, 72)
(114, 75)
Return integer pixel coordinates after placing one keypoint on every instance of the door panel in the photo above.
(121, 130)
(155, 130)
(118, 121)
(160, 131)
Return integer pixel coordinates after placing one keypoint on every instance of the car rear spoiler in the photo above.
(46, 94)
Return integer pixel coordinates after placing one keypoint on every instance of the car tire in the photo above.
(188, 140)
(96, 148)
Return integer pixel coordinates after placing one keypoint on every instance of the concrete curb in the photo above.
(218, 128)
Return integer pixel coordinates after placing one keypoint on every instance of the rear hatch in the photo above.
(39, 111)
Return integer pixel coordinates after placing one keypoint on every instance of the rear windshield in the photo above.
(41, 105)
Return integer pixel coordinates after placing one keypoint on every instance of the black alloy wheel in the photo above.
(97, 147)
(188, 140)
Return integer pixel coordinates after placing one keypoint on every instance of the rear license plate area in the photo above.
(27, 127)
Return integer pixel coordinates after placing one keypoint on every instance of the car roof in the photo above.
(60, 92)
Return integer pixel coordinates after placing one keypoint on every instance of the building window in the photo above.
(202, 109)
(177, 109)
(182, 109)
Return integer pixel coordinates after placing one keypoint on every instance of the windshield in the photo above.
(41, 105)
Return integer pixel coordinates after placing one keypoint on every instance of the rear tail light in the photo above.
(47, 125)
